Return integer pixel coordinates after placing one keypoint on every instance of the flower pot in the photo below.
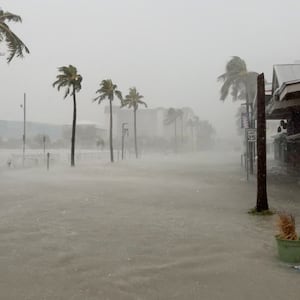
(288, 250)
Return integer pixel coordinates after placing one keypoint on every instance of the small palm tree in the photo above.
(133, 100)
(171, 118)
(71, 80)
(190, 123)
(109, 90)
(15, 46)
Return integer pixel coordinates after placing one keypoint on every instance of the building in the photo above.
(152, 127)
(284, 105)
(88, 134)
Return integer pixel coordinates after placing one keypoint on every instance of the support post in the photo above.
(262, 199)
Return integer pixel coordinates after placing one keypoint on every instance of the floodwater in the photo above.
(157, 228)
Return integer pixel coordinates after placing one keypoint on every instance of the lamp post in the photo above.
(24, 127)
(124, 132)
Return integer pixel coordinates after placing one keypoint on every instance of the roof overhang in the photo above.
(289, 90)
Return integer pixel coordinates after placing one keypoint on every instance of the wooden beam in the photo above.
(262, 199)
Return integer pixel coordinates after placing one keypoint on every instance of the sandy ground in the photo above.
(160, 228)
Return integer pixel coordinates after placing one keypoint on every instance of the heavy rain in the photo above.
(149, 150)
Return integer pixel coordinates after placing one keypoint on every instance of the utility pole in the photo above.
(262, 199)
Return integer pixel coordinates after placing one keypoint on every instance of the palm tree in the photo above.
(197, 124)
(240, 81)
(15, 46)
(243, 86)
(71, 80)
(109, 90)
(133, 99)
(190, 123)
(172, 115)
(180, 116)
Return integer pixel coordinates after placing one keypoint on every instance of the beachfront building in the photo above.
(152, 129)
(88, 134)
(284, 106)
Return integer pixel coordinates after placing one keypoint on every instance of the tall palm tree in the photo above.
(133, 100)
(243, 86)
(14, 44)
(240, 81)
(71, 80)
(109, 90)
(171, 118)
(190, 123)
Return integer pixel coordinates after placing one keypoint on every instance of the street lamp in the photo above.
(124, 132)
(24, 127)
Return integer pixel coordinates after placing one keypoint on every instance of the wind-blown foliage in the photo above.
(172, 115)
(243, 86)
(14, 44)
(71, 81)
(133, 100)
(238, 80)
(108, 90)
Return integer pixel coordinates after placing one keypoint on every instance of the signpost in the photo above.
(251, 135)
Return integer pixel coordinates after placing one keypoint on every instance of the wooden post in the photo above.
(262, 199)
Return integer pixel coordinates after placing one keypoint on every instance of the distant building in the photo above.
(153, 130)
(14, 130)
(88, 133)
(150, 122)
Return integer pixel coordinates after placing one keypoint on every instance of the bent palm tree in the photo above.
(240, 81)
(133, 99)
(71, 80)
(14, 44)
(243, 86)
(109, 90)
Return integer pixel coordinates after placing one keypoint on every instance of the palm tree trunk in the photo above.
(73, 129)
(135, 138)
(111, 133)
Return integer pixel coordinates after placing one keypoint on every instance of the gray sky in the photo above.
(171, 50)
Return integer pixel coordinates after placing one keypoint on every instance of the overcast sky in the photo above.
(171, 50)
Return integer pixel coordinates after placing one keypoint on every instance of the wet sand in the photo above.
(160, 228)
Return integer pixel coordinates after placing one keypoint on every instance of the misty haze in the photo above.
(149, 150)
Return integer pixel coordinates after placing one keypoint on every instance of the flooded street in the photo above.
(161, 228)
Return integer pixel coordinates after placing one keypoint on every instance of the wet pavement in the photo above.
(166, 227)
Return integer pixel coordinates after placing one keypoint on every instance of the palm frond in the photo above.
(143, 103)
(68, 78)
(7, 16)
(118, 94)
(15, 45)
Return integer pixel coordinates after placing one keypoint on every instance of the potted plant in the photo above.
(287, 239)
